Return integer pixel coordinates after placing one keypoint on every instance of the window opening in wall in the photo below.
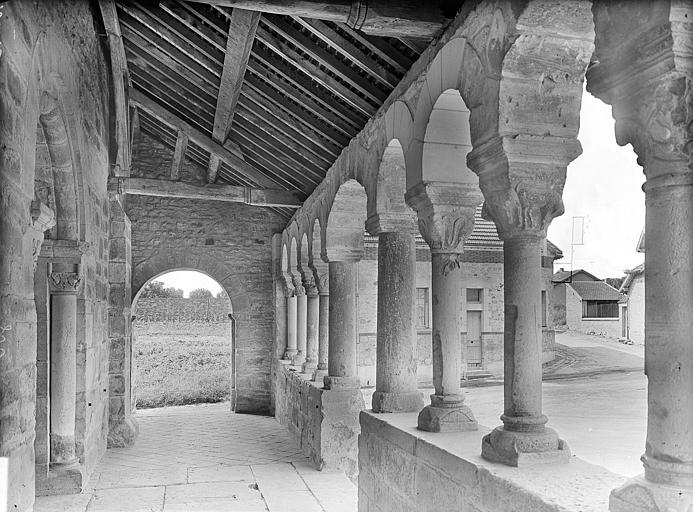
(422, 308)
(474, 295)
(599, 309)
(182, 341)
(543, 308)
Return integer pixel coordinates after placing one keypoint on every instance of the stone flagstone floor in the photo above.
(204, 458)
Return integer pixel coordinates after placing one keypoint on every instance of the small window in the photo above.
(543, 308)
(422, 308)
(474, 295)
(599, 309)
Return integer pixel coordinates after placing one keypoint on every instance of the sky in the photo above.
(189, 280)
(603, 185)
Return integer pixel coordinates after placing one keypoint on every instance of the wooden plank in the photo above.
(364, 87)
(209, 192)
(213, 168)
(315, 72)
(179, 155)
(403, 18)
(380, 47)
(243, 25)
(349, 50)
(121, 83)
(200, 138)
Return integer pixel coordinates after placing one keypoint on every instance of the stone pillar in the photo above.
(522, 185)
(341, 366)
(64, 284)
(446, 219)
(122, 427)
(291, 325)
(301, 324)
(396, 380)
(323, 328)
(313, 315)
(649, 83)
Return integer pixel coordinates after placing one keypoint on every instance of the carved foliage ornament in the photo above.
(299, 290)
(662, 126)
(309, 285)
(445, 231)
(65, 282)
(522, 209)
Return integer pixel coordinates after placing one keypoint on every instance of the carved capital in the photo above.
(445, 214)
(309, 285)
(64, 282)
(659, 124)
(287, 284)
(522, 179)
(299, 290)
(324, 283)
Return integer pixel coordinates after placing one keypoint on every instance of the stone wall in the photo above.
(324, 423)
(61, 63)
(609, 327)
(231, 243)
(408, 470)
(179, 310)
(636, 310)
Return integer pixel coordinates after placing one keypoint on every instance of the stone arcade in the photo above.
(256, 141)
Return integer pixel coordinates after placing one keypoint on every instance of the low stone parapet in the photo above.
(404, 469)
(325, 423)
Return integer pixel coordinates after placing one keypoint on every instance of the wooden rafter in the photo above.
(179, 155)
(239, 42)
(403, 18)
(209, 192)
(231, 159)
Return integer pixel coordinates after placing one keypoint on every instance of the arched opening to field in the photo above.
(183, 341)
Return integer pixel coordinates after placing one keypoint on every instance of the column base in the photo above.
(516, 449)
(332, 382)
(310, 366)
(319, 375)
(640, 495)
(298, 359)
(290, 353)
(122, 433)
(447, 413)
(397, 402)
(62, 478)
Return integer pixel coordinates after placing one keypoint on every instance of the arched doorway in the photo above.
(183, 341)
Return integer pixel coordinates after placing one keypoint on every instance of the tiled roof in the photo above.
(564, 275)
(595, 290)
(630, 275)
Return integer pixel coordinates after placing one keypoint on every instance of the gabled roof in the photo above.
(563, 276)
(595, 290)
(630, 275)
(641, 242)
(553, 250)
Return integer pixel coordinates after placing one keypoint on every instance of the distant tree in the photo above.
(201, 293)
(616, 282)
(221, 294)
(155, 289)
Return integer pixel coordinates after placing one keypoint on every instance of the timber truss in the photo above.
(263, 94)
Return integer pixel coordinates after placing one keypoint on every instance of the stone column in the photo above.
(341, 365)
(64, 284)
(396, 379)
(446, 219)
(323, 328)
(522, 184)
(649, 83)
(301, 324)
(291, 350)
(313, 314)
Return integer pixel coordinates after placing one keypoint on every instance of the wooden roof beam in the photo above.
(209, 192)
(404, 18)
(199, 138)
(239, 43)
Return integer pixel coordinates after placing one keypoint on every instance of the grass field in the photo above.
(178, 364)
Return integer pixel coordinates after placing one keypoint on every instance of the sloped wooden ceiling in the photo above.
(278, 120)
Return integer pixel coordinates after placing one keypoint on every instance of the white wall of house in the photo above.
(598, 326)
(636, 310)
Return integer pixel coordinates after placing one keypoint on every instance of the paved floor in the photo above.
(206, 459)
